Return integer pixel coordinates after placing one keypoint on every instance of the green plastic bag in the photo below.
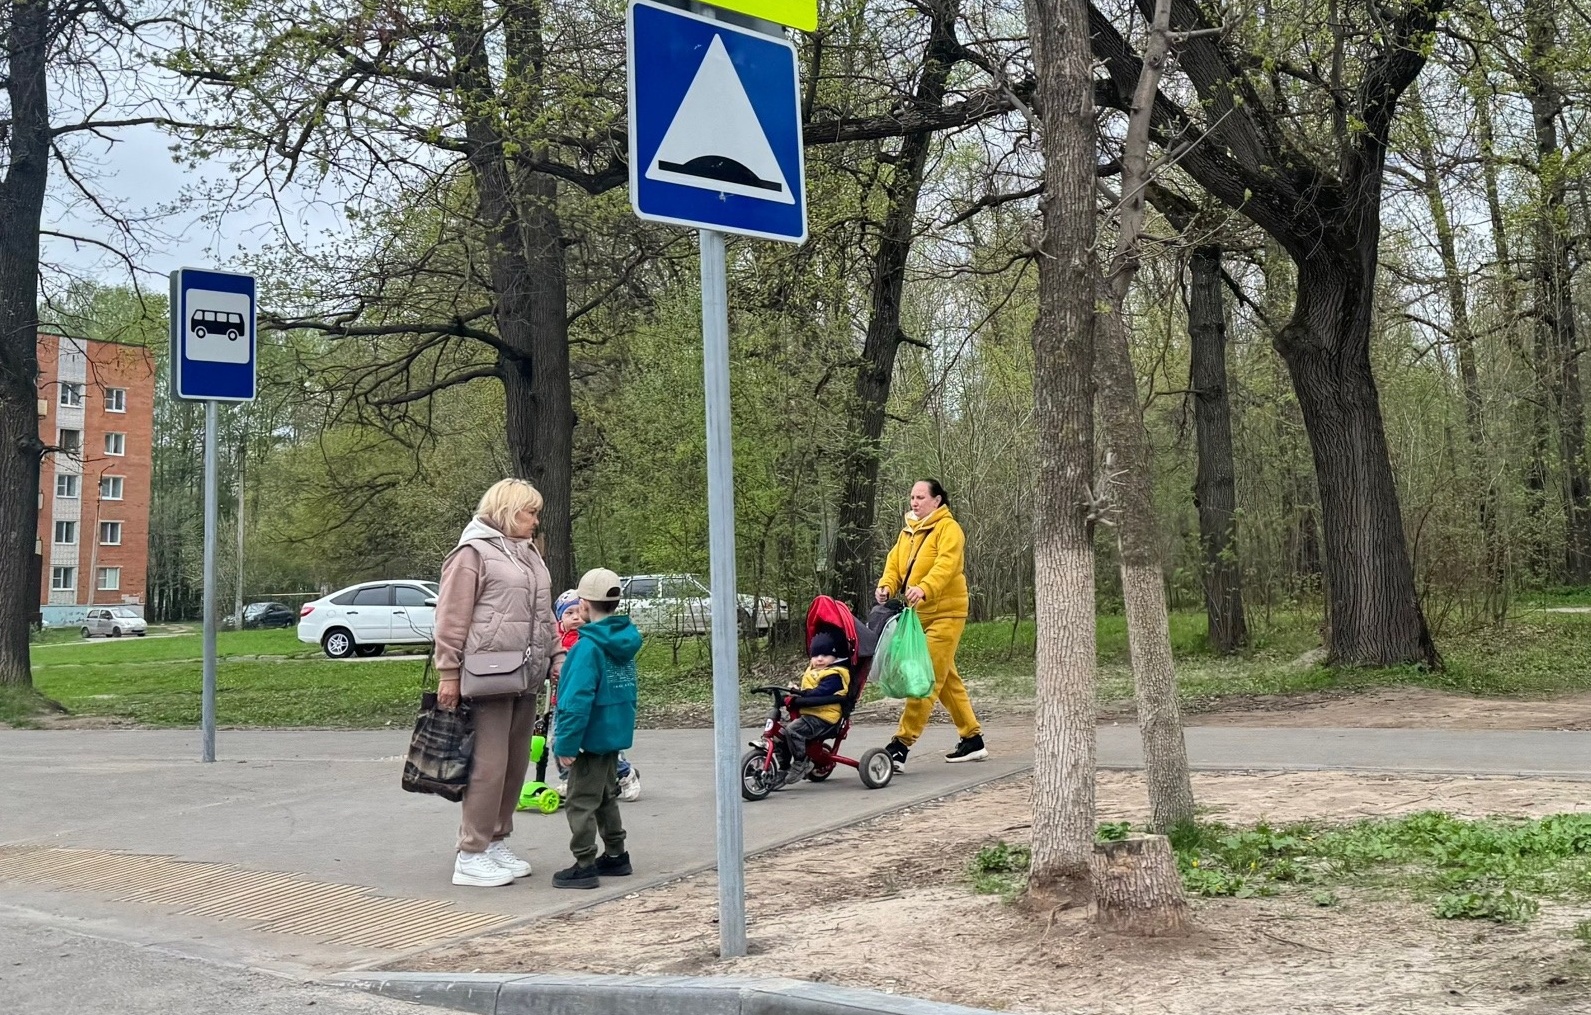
(902, 666)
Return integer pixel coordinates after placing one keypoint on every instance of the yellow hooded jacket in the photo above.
(933, 548)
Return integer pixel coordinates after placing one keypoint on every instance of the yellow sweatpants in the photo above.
(944, 634)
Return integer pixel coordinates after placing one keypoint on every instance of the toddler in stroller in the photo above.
(807, 725)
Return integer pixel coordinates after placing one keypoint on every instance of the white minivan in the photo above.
(363, 619)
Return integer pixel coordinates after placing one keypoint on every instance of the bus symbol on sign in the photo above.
(218, 330)
(205, 322)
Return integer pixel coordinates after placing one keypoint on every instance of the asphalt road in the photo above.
(50, 969)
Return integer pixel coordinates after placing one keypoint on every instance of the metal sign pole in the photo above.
(726, 609)
(208, 721)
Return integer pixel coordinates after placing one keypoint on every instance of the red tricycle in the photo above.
(762, 767)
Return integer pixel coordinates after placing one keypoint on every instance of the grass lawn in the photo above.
(269, 678)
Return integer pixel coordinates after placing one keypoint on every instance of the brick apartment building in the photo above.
(96, 406)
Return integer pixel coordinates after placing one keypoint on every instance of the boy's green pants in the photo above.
(593, 807)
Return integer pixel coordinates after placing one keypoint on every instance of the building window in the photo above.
(66, 532)
(69, 441)
(115, 444)
(110, 533)
(66, 486)
(63, 579)
(110, 579)
(110, 488)
(115, 399)
(72, 394)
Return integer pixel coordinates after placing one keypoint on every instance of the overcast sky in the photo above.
(137, 176)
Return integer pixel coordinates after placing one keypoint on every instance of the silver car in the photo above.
(682, 604)
(113, 622)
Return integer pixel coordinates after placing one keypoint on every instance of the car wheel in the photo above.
(115, 632)
(367, 651)
(85, 633)
(338, 643)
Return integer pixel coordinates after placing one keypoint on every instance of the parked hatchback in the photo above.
(113, 622)
(363, 619)
(268, 615)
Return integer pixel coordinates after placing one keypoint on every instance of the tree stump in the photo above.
(1137, 889)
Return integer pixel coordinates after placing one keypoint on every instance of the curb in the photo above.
(514, 994)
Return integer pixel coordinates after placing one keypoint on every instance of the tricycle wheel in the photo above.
(876, 769)
(821, 772)
(756, 781)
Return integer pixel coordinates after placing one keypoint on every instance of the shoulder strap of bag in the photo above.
(906, 579)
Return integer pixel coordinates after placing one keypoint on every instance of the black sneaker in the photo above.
(577, 877)
(897, 752)
(614, 866)
(970, 749)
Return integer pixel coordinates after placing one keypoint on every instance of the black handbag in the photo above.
(441, 748)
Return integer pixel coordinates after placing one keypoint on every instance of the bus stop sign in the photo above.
(213, 346)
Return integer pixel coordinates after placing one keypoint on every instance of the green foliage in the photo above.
(1495, 869)
(1000, 869)
(1502, 906)
(1582, 932)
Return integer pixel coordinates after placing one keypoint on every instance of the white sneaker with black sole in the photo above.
(508, 859)
(969, 749)
(479, 870)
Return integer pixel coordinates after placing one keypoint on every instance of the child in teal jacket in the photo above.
(595, 721)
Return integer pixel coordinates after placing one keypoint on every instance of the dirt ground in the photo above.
(886, 906)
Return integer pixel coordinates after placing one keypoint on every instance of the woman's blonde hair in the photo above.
(507, 498)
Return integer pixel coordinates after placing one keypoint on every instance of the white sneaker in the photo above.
(479, 870)
(507, 859)
(630, 785)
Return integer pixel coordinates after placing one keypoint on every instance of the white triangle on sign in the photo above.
(715, 141)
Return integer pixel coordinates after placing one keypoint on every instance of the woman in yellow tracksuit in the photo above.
(926, 567)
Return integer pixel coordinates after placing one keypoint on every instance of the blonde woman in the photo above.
(496, 597)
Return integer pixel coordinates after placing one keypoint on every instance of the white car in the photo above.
(113, 622)
(363, 619)
(681, 604)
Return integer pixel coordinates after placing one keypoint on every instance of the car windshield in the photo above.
(124, 612)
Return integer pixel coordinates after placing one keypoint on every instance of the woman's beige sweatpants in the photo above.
(503, 727)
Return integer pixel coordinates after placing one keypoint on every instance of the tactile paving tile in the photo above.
(273, 902)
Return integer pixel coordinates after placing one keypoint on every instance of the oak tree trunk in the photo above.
(525, 261)
(540, 410)
(25, 144)
(855, 555)
(1375, 616)
(1063, 352)
(1214, 482)
(1138, 890)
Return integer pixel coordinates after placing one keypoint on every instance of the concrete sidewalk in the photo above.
(298, 851)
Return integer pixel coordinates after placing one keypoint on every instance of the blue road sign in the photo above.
(715, 126)
(212, 336)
